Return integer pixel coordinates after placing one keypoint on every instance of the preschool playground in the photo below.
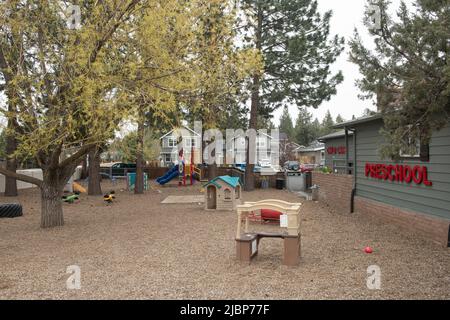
(137, 247)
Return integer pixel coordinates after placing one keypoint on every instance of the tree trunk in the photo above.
(249, 174)
(212, 171)
(11, 165)
(51, 204)
(251, 141)
(139, 183)
(84, 168)
(94, 186)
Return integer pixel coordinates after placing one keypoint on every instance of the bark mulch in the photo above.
(138, 248)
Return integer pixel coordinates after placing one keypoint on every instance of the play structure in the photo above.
(222, 193)
(78, 188)
(70, 198)
(131, 181)
(72, 186)
(184, 170)
(109, 197)
(247, 243)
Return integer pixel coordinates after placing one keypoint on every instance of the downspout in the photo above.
(354, 169)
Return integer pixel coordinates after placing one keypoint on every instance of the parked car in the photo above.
(306, 167)
(264, 163)
(119, 169)
(291, 166)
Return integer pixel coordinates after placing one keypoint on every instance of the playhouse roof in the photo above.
(232, 181)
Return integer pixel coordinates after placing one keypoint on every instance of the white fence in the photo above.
(35, 173)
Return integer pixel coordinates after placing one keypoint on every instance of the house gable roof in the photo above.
(183, 126)
(231, 181)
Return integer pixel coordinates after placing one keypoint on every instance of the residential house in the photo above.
(185, 139)
(312, 154)
(267, 149)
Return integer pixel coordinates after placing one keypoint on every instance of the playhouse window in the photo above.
(227, 194)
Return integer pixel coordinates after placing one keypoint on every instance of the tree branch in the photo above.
(21, 177)
(76, 157)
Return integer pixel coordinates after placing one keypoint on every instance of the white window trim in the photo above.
(190, 142)
(173, 140)
(417, 155)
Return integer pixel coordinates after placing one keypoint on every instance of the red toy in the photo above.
(268, 214)
(368, 250)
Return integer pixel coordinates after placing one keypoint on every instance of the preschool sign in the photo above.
(336, 150)
(399, 173)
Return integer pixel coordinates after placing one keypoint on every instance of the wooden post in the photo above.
(246, 247)
(291, 254)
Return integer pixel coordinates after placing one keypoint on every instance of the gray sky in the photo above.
(347, 14)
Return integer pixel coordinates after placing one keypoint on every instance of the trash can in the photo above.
(308, 180)
(280, 184)
(315, 192)
(295, 181)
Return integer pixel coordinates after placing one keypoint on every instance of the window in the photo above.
(415, 148)
(261, 143)
(227, 194)
(171, 142)
(412, 148)
(190, 142)
(168, 158)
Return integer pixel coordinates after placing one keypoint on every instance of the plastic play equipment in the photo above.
(131, 181)
(247, 243)
(78, 188)
(222, 193)
(10, 210)
(184, 170)
(171, 174)
(109, 197)
(268, 214)
(70, 198)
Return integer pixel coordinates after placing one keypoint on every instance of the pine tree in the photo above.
(408, 70)
(297, 51)
(286, 125)
(327, 123)
(339, 119)
(304, 130)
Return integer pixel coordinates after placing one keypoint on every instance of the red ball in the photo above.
(368, 250)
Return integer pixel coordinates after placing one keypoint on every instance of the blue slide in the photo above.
(172, 173)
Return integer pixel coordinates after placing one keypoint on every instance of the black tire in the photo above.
(10, 210)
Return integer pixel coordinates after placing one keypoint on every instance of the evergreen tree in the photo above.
(327, 123)
(286, 124)
(297, 51)
(339, 119)
(408, 70)
(304, 131)
(316, 129)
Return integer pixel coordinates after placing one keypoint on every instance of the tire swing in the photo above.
(10, 210)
